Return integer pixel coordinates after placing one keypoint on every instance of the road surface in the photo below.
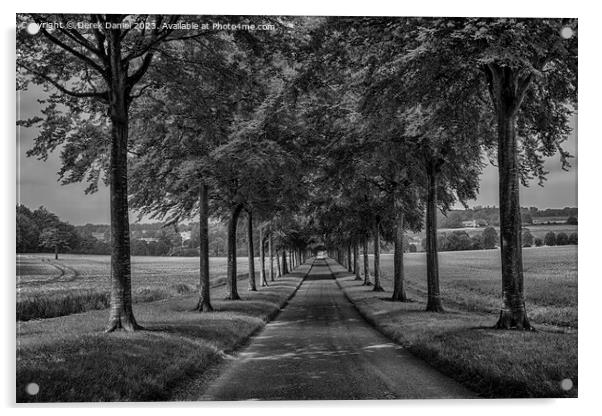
(319, 347)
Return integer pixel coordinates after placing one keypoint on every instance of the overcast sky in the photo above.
(38, 182)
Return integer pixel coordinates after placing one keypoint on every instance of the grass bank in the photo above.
(54, 303)
(462, 344)
(72, 360)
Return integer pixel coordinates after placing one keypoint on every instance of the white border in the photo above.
(589, 202)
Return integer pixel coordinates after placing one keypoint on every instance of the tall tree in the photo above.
(528, 67)
(55, 239)
(94, 75)
(174, 135)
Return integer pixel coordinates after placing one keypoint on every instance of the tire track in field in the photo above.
(75, 273)
(64, 271)
(53, 279)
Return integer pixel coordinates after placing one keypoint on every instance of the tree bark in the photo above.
(356, 261)
(507, 90)
(271, 255)
(432, 263)
(262, 274)
(399, 293)
(251, 253)
(366, 263)
(204, 303)
(121, 315)
(349, 259)
(231, 279)
(284, 266)
(377, 286)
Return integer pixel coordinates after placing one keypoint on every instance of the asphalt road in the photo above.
(319, 347)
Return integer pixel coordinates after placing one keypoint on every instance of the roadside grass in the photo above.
(471, 281)
(72, 360)
(51, 304)
(461, 344)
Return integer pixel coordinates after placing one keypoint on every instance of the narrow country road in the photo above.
(319, 347)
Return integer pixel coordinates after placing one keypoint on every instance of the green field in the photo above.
(77, 283)
(40, 272)
(471, 280)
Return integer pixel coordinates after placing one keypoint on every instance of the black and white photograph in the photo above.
(295, 207)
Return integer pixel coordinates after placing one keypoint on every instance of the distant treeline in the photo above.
(489, 239)
(484, 216)
(41, 231)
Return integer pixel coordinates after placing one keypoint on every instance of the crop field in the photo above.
(47, 287)
(40, 272)
(471, 280)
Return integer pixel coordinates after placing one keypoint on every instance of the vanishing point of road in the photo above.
(319, 347)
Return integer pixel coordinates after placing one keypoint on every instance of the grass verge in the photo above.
(72, 360)
(51, 304)
(461, 344)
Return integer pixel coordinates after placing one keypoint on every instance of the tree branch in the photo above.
(72, 51)
(90, 94)
(139, 73)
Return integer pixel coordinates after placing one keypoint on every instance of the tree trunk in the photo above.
(432, 262)
(399, 293)
(278, 263)
(204, 303)
(366, 263)
(56, 252)
(251, 254)
(271, 254)
(349, 259)
(262, 275)
(507, 91)
(284, 266)
(121, 315)
(377, 286)
(231, 279)
(356, 261)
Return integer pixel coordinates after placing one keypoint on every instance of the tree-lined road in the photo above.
(319, 347)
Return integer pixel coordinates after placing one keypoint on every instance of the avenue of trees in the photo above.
(325, 135)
